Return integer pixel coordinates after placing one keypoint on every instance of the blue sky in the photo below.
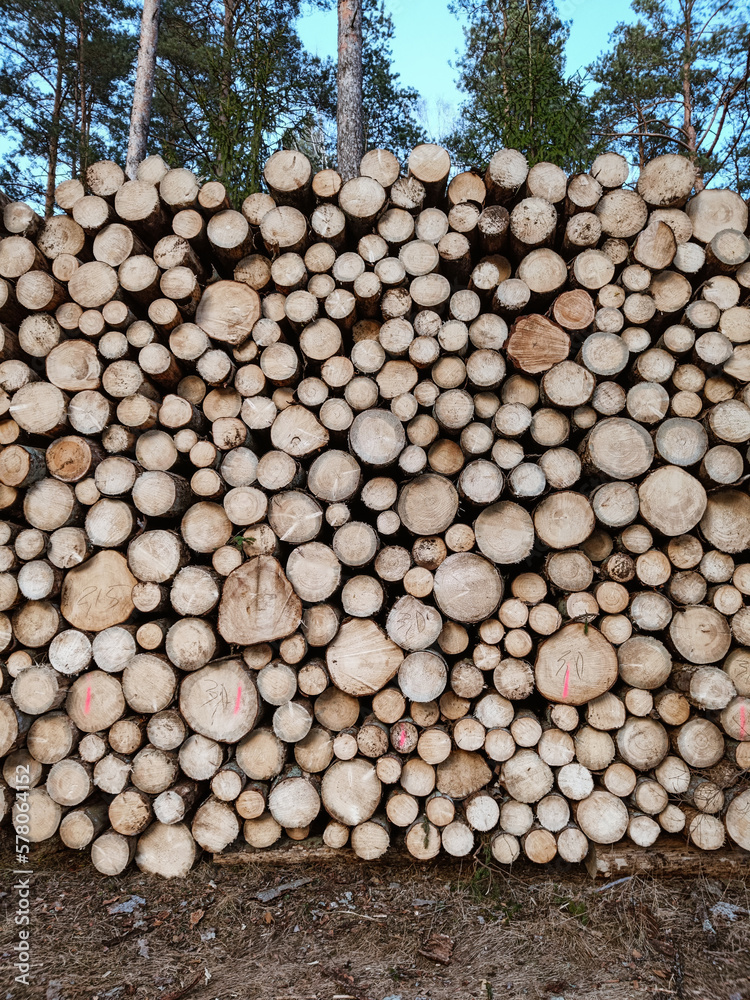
(428, 37)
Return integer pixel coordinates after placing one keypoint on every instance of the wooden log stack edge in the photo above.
(412, 508)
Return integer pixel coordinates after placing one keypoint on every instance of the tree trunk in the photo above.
(84, 132)
(143, 93)
(54, 138)
(350, 141)
(688, 125)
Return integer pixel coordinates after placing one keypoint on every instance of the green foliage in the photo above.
(233, 83)
(633, 79)
(677, 81)
(518, 95)
(426, 830)
(232, 80)
(239, 541)
(64, 90)
(573, 905)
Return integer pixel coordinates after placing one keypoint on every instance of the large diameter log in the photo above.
(576, 665)
(169, 851)
(715, 209)
(14, 725)
(362, 659)
(428, 504)
(620, 448)
(467, 587)
(377, 437)
(575, 780)
(737, 820)
(93, 284)
(462, 774)
(504, 533)
(80, 826)
(149, 682)
(52, 737)
(413, 625)
(351, 791)
(215, 825)
(97, 594)
(422, 676)
(39, 408)
(361, 199)
(294, 800)
(297, 432)
(258, 604)
(69, 782)
(37, 689)
(536, 344)
(220, 701)
(506, 173)
(602, 817)
(228, 311)
(526, 776)
(644, 662)
(111, 853)
(666, 181)
(726, 521)
(288, 174)
(172, 805)
(37, 816)
(700, 634)
(564, 519)
(314, 571)
(95, 701)
(672, 501)
(643, 743)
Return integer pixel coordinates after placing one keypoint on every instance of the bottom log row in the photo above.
(452, 757)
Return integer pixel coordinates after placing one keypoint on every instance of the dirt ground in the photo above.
(373, 931)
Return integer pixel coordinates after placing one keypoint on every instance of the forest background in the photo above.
(237, 79)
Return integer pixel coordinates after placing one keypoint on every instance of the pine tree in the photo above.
(64, 95)
(633, 79)
(737, 168)
(518, 94)
(679, 81)
(232, 79)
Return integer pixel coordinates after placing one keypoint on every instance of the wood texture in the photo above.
(401, 509)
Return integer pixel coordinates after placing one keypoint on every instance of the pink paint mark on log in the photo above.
(87, 706)
(566, 683)
(239, 699)
(743, 721)
(401, 739)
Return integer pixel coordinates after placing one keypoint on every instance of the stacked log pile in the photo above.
(410, 506)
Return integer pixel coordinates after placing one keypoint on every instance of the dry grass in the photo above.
(355, 930)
